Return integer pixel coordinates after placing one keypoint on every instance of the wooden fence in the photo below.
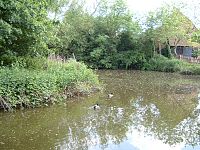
(189, 59)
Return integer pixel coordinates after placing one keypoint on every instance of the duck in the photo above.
(96, 106)
(110, 95)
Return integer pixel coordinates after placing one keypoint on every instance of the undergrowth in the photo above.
(21, 87)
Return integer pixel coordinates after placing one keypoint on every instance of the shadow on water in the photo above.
(148, 110)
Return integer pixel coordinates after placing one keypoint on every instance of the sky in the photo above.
(190, 9)
(141, 8)
(149, 5)
(144, 6)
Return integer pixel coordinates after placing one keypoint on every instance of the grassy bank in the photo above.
(20, 87)
(163, 64)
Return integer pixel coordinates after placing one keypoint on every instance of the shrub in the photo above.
(131, 59)
(7, 59)
(161, 63)
(195, 53)
(23, 62)
(20, 87)
(31, 62)
(191, 69)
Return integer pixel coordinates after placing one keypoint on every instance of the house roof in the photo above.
(189, 26)
(195, 44)
(180, 43)
(184, 43)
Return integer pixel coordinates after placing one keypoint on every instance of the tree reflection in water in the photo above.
(110, 127)
(148, 110)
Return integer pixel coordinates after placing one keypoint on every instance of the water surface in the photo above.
(149, 110)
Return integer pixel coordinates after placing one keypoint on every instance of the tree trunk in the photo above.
(168, 49)
(175, 44)
(160, 48)
(175, 50)
(154, 48)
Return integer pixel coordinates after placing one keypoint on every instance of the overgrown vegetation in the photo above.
(163, 64)
(110, 37)
(20, 87)
(107, 36)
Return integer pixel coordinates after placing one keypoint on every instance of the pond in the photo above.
(148, 110)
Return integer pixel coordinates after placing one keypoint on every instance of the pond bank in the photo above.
(147, 107)
(22, 88)
(164, 64)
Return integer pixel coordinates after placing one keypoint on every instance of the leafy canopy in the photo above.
(23, 26)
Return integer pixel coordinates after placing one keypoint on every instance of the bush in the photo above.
(23, 62)
(31, 62)
(191, 69)
(196, 53)
(21, 87)
(161, 63)
(7, 59)
(131, 60)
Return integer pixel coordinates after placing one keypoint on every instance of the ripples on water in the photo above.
(149, 110)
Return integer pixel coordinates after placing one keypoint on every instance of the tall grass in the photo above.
(20, 87)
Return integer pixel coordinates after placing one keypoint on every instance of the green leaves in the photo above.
(32, 88)
(168, 23)
(23, 26)
(96, 38)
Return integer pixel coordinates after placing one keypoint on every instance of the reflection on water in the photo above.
(149, 110)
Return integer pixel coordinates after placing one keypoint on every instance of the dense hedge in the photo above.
(20, 87)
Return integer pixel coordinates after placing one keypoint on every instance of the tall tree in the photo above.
(23, 26)
(169, 23)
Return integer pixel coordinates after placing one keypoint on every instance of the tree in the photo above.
(23, 26)
(75, 31)
(116, 24)
(97, 37)
(169, 23)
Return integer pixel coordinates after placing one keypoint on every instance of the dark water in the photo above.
(149, 111)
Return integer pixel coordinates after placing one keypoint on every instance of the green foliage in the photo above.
(164, 64)
(36, 63)
(31, 88)
(107, 38)
(97, 39)
(191, 69)
(168, 23)
(195, 53)
(111, 39)
(196, 36)
(161, 63)
(7, 60)
(23, 26)
(131, 60)
(167, 52)
(126, 41)
(24, 62)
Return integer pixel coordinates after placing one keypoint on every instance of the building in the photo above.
(184, 47)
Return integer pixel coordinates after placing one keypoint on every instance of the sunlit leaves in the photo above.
(169, 23)
(23, 26)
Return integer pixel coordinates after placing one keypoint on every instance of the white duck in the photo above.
(110, 95)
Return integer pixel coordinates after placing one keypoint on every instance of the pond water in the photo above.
(149, 110)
